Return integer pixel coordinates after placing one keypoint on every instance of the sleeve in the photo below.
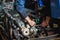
(20, 7)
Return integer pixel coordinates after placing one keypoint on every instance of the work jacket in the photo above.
(24, 6)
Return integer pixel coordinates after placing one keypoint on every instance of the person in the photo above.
(20, 7)
(55, 11)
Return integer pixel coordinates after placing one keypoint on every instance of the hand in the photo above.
(32, 23)
(44, 24)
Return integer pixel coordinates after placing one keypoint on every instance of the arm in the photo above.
(20, 7)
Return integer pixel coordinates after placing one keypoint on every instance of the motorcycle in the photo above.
(17, 28)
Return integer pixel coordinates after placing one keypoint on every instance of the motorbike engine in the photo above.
(26, 30)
